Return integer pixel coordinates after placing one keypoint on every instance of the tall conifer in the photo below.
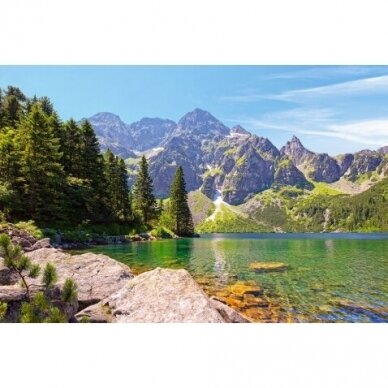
(180, 211)
(143, 198)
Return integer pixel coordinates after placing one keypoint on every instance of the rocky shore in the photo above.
(109, 292)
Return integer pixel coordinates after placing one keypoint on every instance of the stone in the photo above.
(267, 266)
(160, 295)
(14, 296)
(7, 276)
(97, 276)
(244, 288)
(230, 315)
(18, 236)
(43, 243)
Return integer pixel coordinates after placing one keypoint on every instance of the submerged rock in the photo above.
(161, 295)
(267, 266)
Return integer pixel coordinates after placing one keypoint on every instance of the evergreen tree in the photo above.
(40, 166)
(124, 196)
(143, 198)
(70, 146)
(91, 170)
(13, 106)
(179, 208)
(117, 186)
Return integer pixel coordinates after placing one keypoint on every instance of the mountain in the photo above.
(124, 139)
(232, 163)
(113, 133)
(149, 133)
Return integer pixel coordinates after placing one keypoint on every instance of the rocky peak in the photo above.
(296, 151)
(239, 130)
(200, 123)
(106, 118)
(383, 150)
(150, 132)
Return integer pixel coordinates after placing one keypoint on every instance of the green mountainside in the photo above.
(290, 209)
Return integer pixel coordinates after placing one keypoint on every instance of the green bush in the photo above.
(31, 228)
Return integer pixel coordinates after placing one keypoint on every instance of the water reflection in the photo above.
(220, 267)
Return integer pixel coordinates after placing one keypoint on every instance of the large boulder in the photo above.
(97, 276)
(43, 243)
(161, 295)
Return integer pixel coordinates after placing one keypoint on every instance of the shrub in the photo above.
(31, 228)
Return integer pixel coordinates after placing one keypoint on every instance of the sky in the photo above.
(333, 109)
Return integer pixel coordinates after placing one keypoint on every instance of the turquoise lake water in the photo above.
(330, 277)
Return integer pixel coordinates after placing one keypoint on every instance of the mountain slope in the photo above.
(233, 162)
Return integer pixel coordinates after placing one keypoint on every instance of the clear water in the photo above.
(330, 277)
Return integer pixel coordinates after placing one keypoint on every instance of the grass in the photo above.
(230, 220)
(200, 205)
(322, 188)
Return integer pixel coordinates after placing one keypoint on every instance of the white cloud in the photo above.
(324, 72)
(323, 123)
(363, 86)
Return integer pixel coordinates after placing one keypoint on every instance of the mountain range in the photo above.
(238, 178)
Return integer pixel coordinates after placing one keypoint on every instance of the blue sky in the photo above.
(332, 109)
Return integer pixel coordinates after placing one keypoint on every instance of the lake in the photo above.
(329, 277)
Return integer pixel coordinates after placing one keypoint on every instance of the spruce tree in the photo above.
(179, 208)
(40, 166)
(92, 170)
(13, 106)
(143, 198)
(124, 196)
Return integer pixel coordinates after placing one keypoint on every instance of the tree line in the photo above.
(52, 171)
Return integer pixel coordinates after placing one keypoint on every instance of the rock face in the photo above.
(288, 175)
(363, 162)
(178, 151)
(97, 276)
(251, 174)
(161, 295)
(296, 152)
(113, 133)
(150, 132)
(232, 161)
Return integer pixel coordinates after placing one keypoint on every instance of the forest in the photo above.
(53, 173)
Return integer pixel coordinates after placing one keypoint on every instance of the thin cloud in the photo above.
(324, 72)
(322, 123)
(365, 86)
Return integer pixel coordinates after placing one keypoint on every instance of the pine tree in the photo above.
(13, 106)
(92, 170)
(117, 186)
(179, 208)
(124, 196)
(70, 145)
(40, 166)
(143, 198)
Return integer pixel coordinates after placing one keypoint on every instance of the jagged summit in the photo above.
(200, 123)
(105, 116)
(296, 151)
(231, 160)
(238, 129)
